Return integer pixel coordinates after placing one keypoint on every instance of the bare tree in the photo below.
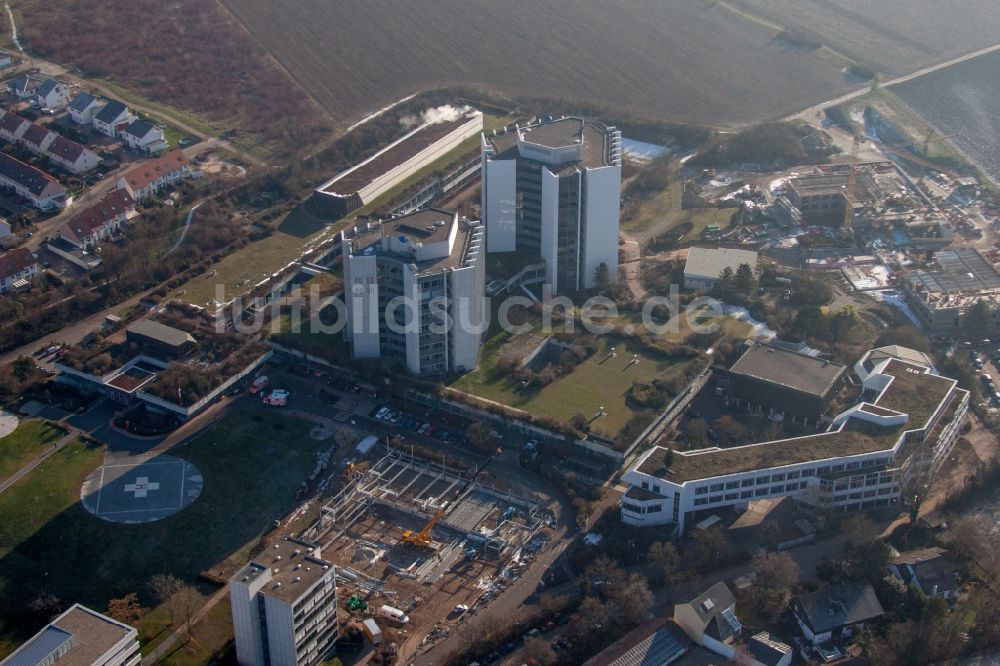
(180, 600)
(775, 575)
(538, 649)
(663, 555)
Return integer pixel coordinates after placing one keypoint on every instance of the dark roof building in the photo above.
(930, 570)
(160, 338)
(778, 381)
(32, 181)
(833, 613)
(710, 618)
(81, 102)
(111, 112)
(769, 651)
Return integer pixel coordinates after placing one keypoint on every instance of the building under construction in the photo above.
(942, 294)
(822, 196)
(480, 537)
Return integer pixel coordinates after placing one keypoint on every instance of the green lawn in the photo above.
(25, 444)
(252, 466)
(594, 383)
(209, 638)
(657, 208)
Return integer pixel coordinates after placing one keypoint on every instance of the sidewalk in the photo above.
(71, 435)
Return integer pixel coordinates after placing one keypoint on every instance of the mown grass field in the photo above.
(252, 466)
(25, 444)
(685, 61)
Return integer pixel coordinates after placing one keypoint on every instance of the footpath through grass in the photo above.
(29, 441)
(252, 465)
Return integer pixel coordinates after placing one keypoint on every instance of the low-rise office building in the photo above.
(415, 287)
(904, 422)
(80, 637)
(704, 266)
(779, 383)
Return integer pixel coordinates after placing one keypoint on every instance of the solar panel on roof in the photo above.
(47, 646)
(655, 650)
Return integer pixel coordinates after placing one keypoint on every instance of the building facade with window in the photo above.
(553, 189)
(284, 606)
(415, 287)
(883, 448)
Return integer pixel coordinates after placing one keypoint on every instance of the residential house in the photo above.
(145, 180)
(16, 267)
(831, 616)
(930, 570)
(655, 643)
(80, 637)
(82, 108)
(72, 156)
(710, 619)
(12, 127)
(144, 136)
(766, 650)
(5, 231)
(37, 139)
(24, 86)
(100, 221)
(42, 190)
(52, 94)
(112, 119)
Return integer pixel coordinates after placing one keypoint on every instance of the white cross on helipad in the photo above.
(141, 486)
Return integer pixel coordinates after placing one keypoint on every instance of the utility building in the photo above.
(553, 188)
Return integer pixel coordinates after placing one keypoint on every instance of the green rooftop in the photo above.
(911, 392)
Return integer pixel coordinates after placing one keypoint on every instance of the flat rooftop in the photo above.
(807, 374)
(422, 226)
(961, 270)
(557, 134)
(293, 569)
(87, 634)
(359, 176)
(708, 262)
(911, 391)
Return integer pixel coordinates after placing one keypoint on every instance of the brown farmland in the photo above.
(683, 60)
(895, 37)
(190, 54)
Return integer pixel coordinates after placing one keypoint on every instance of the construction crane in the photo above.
(852, 184)
(423, 537)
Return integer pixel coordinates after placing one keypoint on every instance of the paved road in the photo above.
(55, 70)
(811, 113)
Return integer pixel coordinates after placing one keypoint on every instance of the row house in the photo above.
(147, 179)
(100, 221)
(42, 190)
(71, 156)
(17, 269)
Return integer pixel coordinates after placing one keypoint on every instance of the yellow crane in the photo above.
(423, 537)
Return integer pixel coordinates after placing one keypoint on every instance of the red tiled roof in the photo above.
(147, 172)
(11, 122)
(35, 134)
(89, 220)
(16, 261)
(69, 151)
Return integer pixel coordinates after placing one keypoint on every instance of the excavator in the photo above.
(422, 538)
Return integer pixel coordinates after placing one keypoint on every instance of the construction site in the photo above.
(423, 538)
